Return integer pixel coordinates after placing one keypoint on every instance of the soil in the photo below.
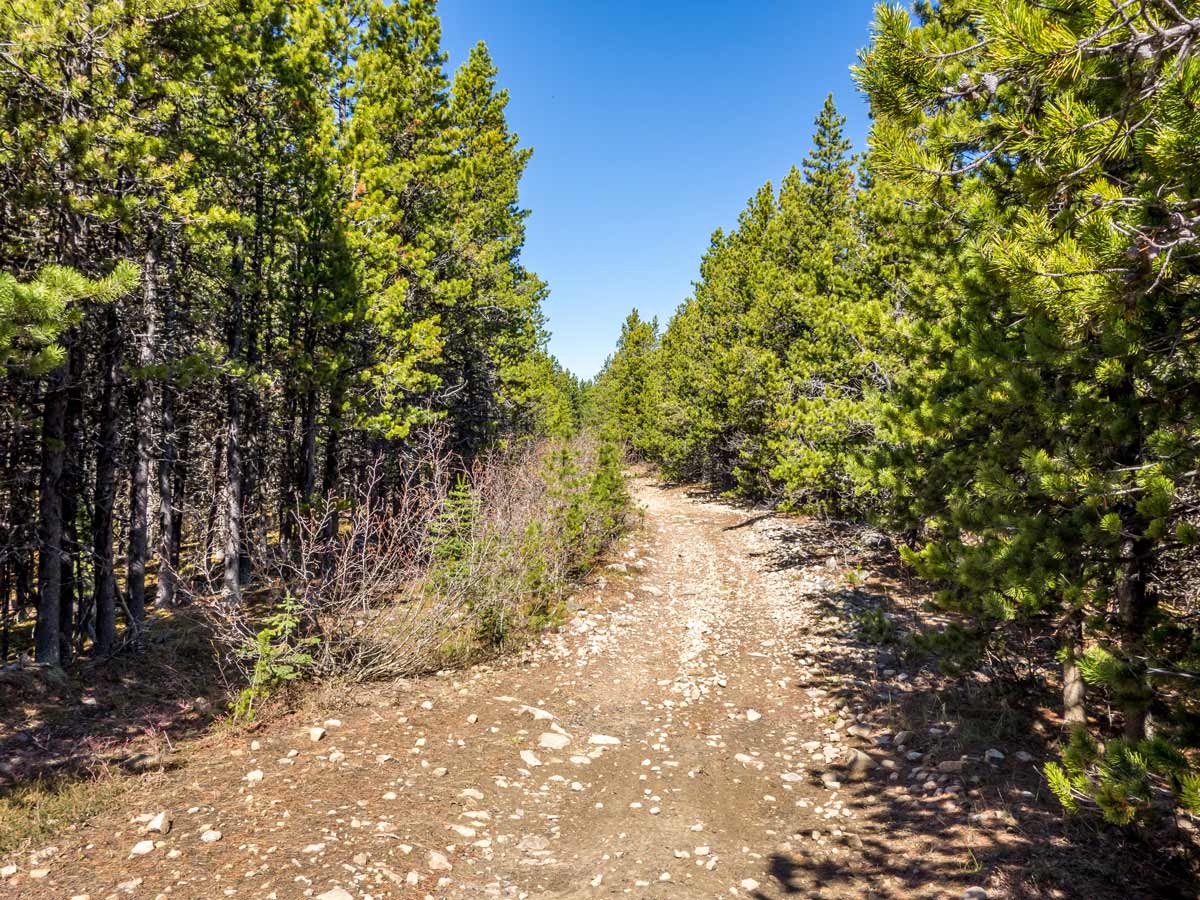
(710, 723)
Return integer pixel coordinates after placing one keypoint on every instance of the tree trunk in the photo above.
(329, 477)
(72, 488)
(165, 595)
(1134, 607)
(231, 580)
(1074, 688)
(178, 497)
(139, 487)
(305, 478)
(5, 599)
(248, 487)
(105, 582)
(47, 647)
(231, 555)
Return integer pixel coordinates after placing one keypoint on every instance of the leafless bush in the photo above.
(449, 563)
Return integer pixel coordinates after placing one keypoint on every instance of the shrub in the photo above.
(458, 562)
(275, 655)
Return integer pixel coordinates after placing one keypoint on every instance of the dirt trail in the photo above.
(670, 741)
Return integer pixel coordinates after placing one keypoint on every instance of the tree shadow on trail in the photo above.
(100, 717)
(994, 825)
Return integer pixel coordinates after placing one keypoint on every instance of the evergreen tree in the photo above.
(831, 355)
(624, 395)
(328, 239)
(1045, 435)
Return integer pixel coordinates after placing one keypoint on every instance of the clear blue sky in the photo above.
(652, 123)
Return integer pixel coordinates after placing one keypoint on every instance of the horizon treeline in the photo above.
(982, 334)
(251, 249)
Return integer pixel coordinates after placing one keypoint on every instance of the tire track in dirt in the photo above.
(679, 737)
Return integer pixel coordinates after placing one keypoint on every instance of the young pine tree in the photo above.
(1051, 417)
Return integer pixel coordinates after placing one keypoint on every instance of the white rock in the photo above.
(604, 740)
(316, 733)
(255, 776)
(530, 758)
(748, 884)
(141, 848)
(211, 836)
(336, 893)
(753, 715)
(1024, 757)
(552, 741)
(993, 756)
(438, 862)
(160, 823)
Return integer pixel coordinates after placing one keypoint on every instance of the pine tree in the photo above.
(328, 238)
(487, 301)
(720, 375)
(831, 355)
(1045, 432)
(31, 318)
(624, 397)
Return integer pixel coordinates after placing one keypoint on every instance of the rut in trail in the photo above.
(678, 738)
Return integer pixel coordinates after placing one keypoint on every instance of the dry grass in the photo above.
(32, 812)
(450, 565)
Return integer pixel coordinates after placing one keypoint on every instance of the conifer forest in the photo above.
(871, 571)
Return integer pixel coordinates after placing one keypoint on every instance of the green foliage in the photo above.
(276, 655)
(874, 627)
(760, 382)
(33, 314)
(1125, 781)
(1035, 430)
(623, 401)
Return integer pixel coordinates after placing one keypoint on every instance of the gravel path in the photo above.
(681, 737)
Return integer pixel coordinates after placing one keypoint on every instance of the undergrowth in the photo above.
(456, 565)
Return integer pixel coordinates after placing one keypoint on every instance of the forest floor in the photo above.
(710, 723)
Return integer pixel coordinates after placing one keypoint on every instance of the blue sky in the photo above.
(652, 123)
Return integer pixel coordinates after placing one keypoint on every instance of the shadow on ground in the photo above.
(903, 668)
(63, 731)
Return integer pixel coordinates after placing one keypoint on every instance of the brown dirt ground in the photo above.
(725, 662)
